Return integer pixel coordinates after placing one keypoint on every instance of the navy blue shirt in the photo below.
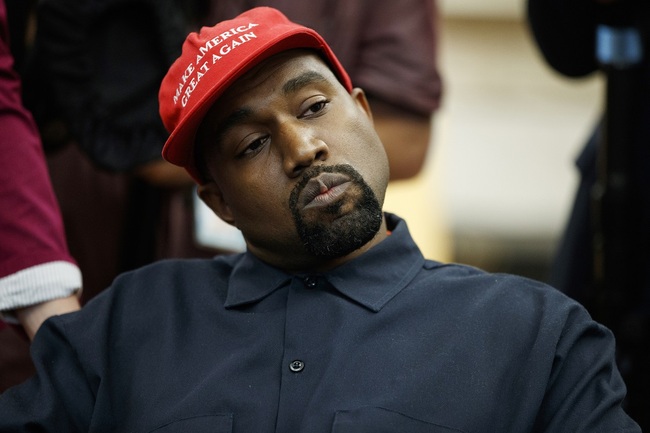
(389, 342)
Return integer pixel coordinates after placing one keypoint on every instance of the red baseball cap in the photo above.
(213, 59)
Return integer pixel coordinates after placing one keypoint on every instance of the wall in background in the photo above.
(508, 9)
(500, 178)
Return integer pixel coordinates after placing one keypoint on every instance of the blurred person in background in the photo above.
(38, 276)
(567, 35)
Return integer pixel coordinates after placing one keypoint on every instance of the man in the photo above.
(142, 204)
(332, 321)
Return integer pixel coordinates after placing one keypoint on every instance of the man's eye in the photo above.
(254, 147)
(316, 108)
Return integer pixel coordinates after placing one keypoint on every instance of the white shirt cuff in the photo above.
(37, 284)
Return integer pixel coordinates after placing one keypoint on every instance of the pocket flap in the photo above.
(380, 420)
(221, 423)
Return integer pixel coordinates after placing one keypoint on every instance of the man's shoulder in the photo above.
(477, 279)
(479, 292)
(154, 294)
(182, 268)
(169, 281)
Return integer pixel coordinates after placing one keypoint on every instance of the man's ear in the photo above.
(360, 99)
(213, 197)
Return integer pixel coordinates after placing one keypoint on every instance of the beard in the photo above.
(334, 232)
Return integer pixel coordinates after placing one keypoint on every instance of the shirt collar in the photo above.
(371, 279)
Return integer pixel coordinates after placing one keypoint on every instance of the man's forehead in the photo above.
(298, 68)
(292, 63)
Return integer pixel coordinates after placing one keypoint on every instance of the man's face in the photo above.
(296, 164)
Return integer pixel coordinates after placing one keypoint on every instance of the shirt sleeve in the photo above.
(59, 398)
(397, 54)
(35, 264)
(584, 388)
(36, 284)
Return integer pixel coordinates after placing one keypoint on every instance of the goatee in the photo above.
(338, 233)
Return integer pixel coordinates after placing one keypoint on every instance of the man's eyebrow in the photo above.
(301, 81)
(242, 114)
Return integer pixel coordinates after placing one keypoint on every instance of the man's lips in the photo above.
(323, 190)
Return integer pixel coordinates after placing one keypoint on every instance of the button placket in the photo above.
(304, 355)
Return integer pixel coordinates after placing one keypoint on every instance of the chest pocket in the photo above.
(379, 420)
(198, 424)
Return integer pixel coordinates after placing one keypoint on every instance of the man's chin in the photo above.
(342, 235)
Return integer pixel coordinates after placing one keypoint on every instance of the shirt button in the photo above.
(310, 282)
(296, 366)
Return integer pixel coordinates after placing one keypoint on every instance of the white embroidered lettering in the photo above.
(192, 75)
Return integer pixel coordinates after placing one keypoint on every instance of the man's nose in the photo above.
(301, 149)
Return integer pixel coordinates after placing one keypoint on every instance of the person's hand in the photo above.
(32, 317)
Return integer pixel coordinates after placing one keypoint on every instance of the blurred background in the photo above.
(500, 178)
